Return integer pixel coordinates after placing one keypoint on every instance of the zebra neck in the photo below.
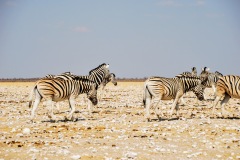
(84, 87)
(188, 84)
(97, 78)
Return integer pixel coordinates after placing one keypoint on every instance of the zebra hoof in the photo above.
(52, 118)
(69, 118)
(212, 116)
(149, 120)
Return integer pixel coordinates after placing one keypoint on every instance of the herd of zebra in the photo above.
(161, 88)
(69, 86)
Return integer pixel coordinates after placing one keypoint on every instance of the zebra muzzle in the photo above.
(93, 100)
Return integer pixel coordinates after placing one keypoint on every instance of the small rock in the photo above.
(26, 131)
(219, 156)
(131, 155)
(13, 130)
(76, 157)
(34, 150)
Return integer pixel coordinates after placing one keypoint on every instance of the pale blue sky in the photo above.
(138, 38)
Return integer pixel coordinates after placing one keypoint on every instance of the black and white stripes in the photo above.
(212, 78)
(226, 87)
(161, 88)
(56, 89)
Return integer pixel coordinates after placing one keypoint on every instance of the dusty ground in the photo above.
(119, 132)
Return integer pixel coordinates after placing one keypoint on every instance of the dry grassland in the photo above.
(119, 131)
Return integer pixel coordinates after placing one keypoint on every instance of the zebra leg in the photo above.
(90, 108)
(147, 100)
(175, 103)
(157, 110)
(35, 105)
(50, 109)
(215, 104)
(72, 106)
(177, 110)
(173, 106)
(224, 101)
(204, 94)
(214, 90)
(147, 108)
(100, 93)
(182, 100)
(57, 106)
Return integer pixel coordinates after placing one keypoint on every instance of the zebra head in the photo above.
(204, 74)
(110, 78)
(92, 94)
(198, 91)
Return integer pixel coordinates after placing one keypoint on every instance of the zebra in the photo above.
(227, 87)
(212, 78)
(53, 89)
(163, 88)
(101, 76)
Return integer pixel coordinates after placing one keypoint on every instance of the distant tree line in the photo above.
(19, 79)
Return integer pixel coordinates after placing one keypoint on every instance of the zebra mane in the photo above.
(218, 73)
(202, 79)
(67, 73)
(183, 75)
(153, 77)
(90, 72)
(113, 74)
(80, 78)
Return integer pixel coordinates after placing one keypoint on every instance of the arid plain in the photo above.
(117, 129)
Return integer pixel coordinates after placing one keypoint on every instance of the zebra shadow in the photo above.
(229, 118)
(64, 120)
(164, 119)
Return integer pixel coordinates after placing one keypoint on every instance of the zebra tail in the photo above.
(31, 96)
(144, 93)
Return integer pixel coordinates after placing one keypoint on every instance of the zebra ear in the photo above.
(205, 69)
(107, 66)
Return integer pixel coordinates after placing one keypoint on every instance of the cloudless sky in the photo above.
(138, 38)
